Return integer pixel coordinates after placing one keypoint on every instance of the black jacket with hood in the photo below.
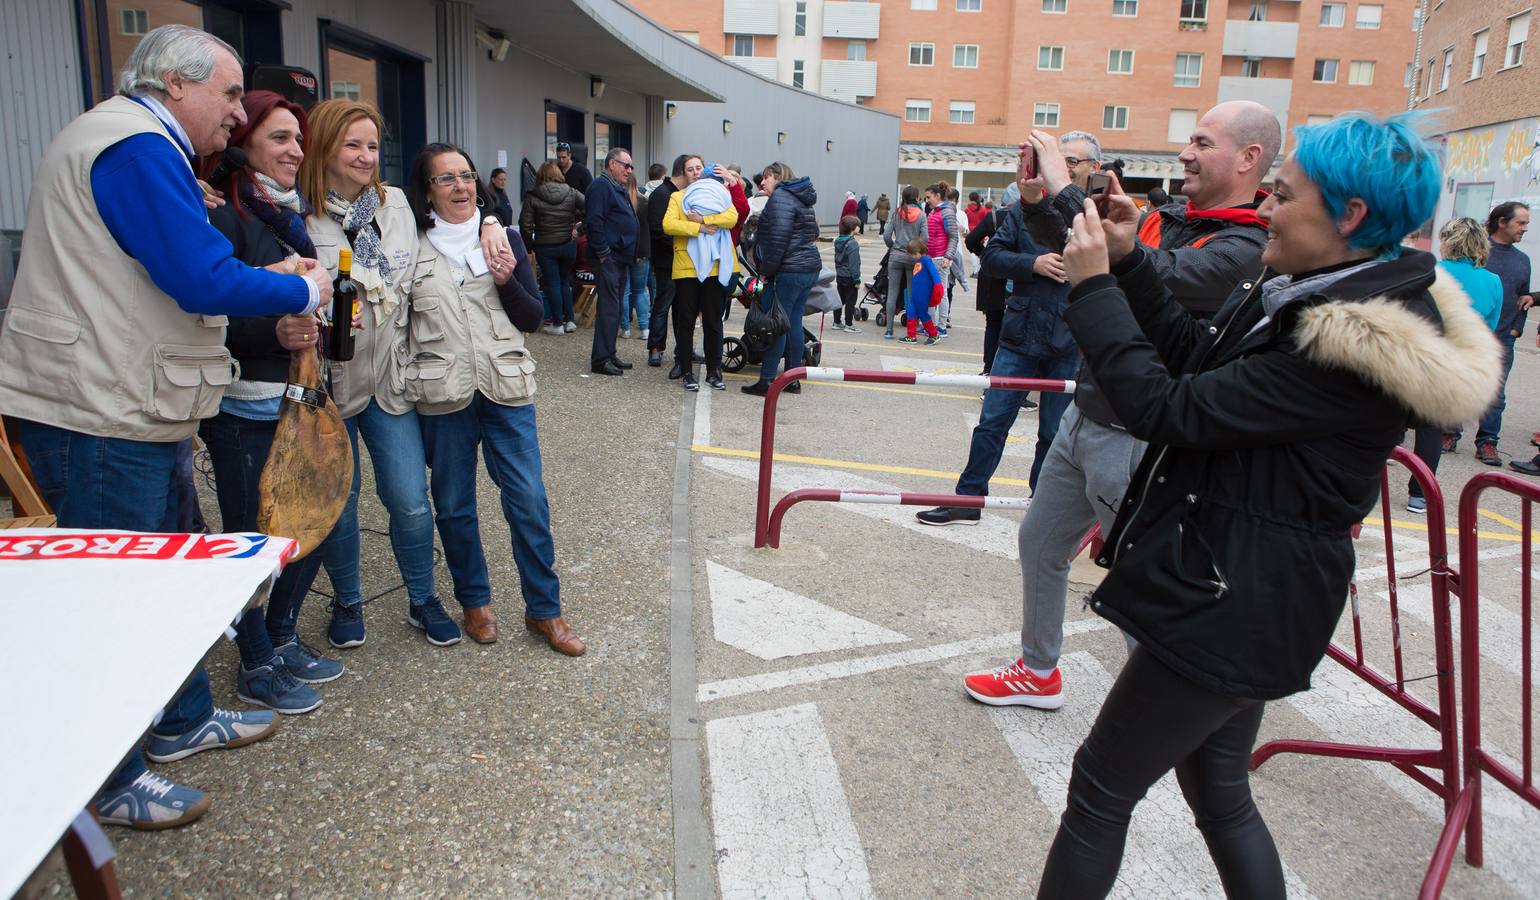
(1231, 555)
(550, 213)
(787, 240)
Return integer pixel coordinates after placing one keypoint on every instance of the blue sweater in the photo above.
(1510, 264)
(153, 207)
(922, 285)
(1484, 289)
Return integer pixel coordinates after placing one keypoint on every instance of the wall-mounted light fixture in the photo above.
(727, 126)
(828, 146)
(780, 137)
(670, 110)
(595, 87)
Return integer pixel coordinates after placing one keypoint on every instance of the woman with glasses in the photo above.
(473, 384)
(355, 210)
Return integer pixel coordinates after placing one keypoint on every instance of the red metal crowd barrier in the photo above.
(1466, 813)
(767, 525)
(1444, 758)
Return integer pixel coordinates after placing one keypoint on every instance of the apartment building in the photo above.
(1480, 82)
(971, 77)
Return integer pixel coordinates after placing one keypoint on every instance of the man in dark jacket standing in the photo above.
(612, 228)
(1199, 251)
(577, 175)
(662, 261)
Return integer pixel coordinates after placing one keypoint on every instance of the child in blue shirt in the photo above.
(926, 288)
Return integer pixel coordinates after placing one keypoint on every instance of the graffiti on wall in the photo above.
(1469, 154)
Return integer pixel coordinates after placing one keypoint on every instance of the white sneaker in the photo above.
(644, 334)
(625, 333)
(571, 327)
(552, 329)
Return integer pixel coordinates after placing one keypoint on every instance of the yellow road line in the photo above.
(1014, 482)
(1500, 519)
(847, 464)
(898, 349)
(874, 387)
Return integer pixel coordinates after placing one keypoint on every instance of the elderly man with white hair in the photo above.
(112, 349)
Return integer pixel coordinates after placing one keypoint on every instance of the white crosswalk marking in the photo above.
(783, 826)
(1165, 854)
(1501, 629)
(995, 533)
(1350, 711)
(772, 623)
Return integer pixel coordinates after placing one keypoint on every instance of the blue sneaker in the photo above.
(431, 618)
(306, 663)
(347, 627)
(224, 730)
(151, 803)
(274, 687)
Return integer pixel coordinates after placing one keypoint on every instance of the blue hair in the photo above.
(1383, 162)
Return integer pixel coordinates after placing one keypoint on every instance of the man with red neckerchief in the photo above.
(1201, 249)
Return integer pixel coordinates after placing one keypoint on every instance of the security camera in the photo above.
(499, 51)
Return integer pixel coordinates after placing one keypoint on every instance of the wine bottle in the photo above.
(339, 346)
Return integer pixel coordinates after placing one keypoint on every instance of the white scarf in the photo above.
(280, 197)
(459, 244)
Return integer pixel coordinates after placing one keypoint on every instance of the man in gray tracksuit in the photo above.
(1203, 248)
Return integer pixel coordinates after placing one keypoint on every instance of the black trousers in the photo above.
(1428, 444)
(611, 277)
(662, 301)
(693, 298)
(847, 291)
(1155, 720)
(992, 321)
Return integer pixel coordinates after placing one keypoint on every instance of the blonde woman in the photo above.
(355, 210)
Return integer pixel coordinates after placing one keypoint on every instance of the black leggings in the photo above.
(1428, 444)
(1155, 720)
(847, 292)
(692, 298)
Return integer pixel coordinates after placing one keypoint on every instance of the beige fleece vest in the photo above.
(379, 348)
(461, 341)
(89, 343)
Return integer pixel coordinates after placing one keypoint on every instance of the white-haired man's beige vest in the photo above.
(89, 343)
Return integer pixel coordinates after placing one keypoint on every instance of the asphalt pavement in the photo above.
(821, 731)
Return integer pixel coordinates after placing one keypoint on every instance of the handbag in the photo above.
(762, 327)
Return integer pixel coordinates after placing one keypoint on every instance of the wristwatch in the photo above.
(492, 220)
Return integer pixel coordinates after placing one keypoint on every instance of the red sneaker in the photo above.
(1015, 685)
(1535, 439)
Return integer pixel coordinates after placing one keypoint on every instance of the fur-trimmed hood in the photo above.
(1444, 375)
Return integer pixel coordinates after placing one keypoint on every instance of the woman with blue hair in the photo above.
(1269, 426)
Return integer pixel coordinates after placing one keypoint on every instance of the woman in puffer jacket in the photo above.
(908, 222)
(786, 249)
(1269, 426)
(549, 220)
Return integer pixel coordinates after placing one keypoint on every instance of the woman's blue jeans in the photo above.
(511, 449)
(634, 295)
(238, 450)
(400, 479)
(790, 289)
(556, 264)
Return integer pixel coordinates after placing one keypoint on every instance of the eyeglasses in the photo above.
(448, 179)
(1073, 161)
(625, 165)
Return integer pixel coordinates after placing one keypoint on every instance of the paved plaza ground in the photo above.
(815, 739)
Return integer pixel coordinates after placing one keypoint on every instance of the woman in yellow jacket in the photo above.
(704, 236)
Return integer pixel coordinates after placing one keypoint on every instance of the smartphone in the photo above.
(1028, 164)
(1098, 185)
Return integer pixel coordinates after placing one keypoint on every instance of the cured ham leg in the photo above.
(309, 470)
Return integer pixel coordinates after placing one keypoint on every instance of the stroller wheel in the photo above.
(864, 313)
(882, 317)
(733, 357)
(813, 353)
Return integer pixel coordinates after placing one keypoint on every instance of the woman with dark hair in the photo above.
(502, 207)
(786, 248)
(1269, 426)
(265, 223)
(549, 219)
(907, 224)
(473, 383)
(356, 210)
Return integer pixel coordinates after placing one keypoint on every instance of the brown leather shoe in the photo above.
(481, 624)
(561, 638)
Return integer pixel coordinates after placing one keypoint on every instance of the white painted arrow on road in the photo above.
(773, 623)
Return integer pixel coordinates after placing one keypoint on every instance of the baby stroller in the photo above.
(735, 352)
(876, 293)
